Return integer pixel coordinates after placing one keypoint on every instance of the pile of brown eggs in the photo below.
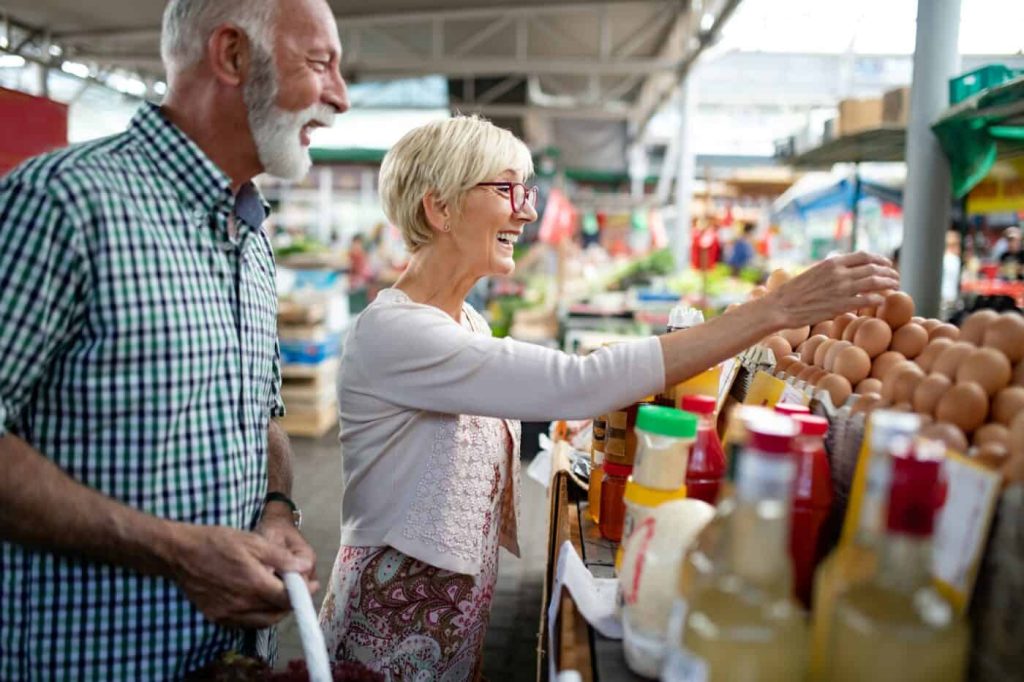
(967, 382)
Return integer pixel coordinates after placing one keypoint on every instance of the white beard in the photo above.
(276, 131)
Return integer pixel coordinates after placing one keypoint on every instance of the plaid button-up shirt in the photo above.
(138, 352)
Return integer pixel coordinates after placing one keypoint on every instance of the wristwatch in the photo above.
(275, 496)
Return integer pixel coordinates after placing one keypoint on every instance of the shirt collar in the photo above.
(197, 180)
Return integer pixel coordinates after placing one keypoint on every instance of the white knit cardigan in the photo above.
(417, 460)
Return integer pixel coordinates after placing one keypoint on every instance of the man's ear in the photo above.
(229, 54)
(438, 212)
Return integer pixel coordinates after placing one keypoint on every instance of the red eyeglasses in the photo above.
(518, 193)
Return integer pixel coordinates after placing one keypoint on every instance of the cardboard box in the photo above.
(857, 115)
(896, 106)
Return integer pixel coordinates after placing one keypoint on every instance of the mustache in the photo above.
(322, 114)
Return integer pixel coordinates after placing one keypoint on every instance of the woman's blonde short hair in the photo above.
(447, 157)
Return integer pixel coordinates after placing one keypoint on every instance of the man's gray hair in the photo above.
(188, 25)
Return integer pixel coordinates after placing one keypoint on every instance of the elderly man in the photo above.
(144, 505)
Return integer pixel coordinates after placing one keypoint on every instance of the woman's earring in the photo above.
(447, 227)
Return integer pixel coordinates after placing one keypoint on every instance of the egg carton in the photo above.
(752, 360)
(843, 445)
(997, 608)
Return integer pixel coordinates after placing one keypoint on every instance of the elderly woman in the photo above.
(430, 401)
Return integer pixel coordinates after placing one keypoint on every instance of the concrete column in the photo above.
(679, 238)
(927, 197)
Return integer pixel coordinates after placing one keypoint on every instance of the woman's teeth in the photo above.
(509, 238)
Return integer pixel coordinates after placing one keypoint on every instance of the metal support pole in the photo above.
(855, 208)
(927, 198)
(680, 236)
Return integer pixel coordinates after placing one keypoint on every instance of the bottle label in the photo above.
(682, 665)
(761, 477)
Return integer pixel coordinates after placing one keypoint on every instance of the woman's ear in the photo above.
(437, 211)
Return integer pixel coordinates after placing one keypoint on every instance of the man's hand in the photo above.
(230, 574)
(277, 527)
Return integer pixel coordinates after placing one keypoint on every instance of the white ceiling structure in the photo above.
(534, 65)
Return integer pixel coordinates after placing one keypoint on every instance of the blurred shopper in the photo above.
(741, 253)
(139, 370)
(951, 268)
(1011, 262)
(430, 402)
(360, 274)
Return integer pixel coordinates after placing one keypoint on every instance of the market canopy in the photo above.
(533, 61)
(980, 130)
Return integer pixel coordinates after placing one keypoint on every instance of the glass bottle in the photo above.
(706, 466)
(812, 501)
(596, 468)
(745, 625)
(613, 507)
(855, 559)
(896, 626)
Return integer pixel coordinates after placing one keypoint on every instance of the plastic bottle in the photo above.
(812, 501)
(706, 466)
(596, 468)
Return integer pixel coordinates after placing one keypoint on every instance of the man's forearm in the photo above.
(279, 460)
(43, 507)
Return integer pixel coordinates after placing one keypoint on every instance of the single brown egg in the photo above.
(930, 323)
(904, 386)
(992, 456)
(987, 367)
(785, 361)
(758, 292)
(837, 387)
(823, 328)
(795, 368)
(929, 391)
(853, 363)
(874, 337)
(795, 336)
(832, 352)
(808, 347)
(822, 350)
(974, 326)
(840, 324)
(949, 434)
(896, 310)
(1007, 404)
(992, 433)
(869, 386)
(950, 359)
(866, 402)
(965, 405)
(851, 329)
(1013, 469)
(1007, 335)
(910, 340)
(777, 279)
(931, 352)
(944, 331)
(778, 346)
(885, 362)
(893, 378)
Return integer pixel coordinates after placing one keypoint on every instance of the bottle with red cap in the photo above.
(615, 476)
(792, 409)
(706, 466)
(745, 624)
(896, 626)
(812, 501)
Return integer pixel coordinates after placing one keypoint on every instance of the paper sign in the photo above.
(595, 599)
(963, 524)
(767, 391)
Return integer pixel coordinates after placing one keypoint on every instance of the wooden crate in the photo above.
(310, 422)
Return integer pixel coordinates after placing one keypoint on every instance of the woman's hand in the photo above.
(832, 287)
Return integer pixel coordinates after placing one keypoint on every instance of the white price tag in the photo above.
(963, 524)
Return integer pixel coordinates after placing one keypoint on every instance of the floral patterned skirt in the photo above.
(406, 619)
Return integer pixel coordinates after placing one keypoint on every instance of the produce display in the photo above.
(967, 383)
(871, 412)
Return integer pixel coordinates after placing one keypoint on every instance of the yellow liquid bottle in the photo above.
(741, 622)
(896, 626)
(855, 560)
